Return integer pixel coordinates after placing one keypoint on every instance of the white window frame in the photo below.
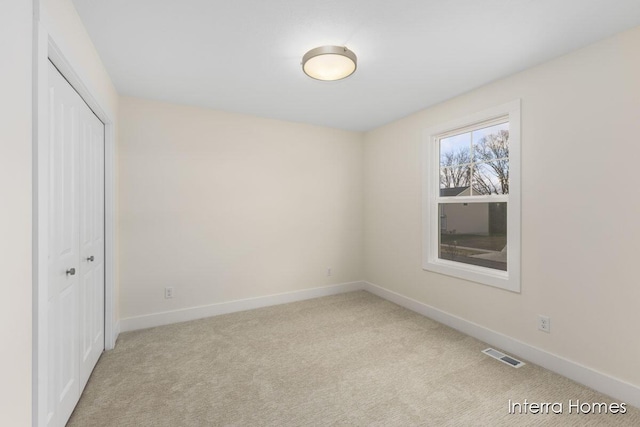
(510, 279)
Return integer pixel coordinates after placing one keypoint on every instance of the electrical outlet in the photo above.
(328, 271)
(168, 292)
(544, 323)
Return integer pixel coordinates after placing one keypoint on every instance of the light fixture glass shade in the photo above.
(329, 63)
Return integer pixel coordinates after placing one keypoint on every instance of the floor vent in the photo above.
(503, 358)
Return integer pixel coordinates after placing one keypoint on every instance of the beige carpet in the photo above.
(351, 359)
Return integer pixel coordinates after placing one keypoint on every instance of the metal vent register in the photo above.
(503, 358)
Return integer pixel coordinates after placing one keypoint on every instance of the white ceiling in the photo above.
(244, 55)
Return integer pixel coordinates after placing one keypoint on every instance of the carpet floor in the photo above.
(350, 359)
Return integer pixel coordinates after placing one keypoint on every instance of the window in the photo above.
(472, 198)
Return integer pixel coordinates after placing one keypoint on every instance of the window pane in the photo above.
(455, 150)
(474, 233)
(455, 181)
(491, 143)
(491, 178)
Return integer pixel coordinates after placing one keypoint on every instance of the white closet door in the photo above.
(64, 389)
(76, 232)
(91, 288)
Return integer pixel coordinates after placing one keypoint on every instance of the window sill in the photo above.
(477, 274)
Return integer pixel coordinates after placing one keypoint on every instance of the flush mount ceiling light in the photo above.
(329, 63)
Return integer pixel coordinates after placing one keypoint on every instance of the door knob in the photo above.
(71, 272)
(90, 258)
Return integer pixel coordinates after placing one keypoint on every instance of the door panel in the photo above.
(63, 249)
(69, 391)
(91, 148)
(76, 241)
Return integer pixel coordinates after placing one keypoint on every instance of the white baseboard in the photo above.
(116, 332)
(192, 313)
(614, 387)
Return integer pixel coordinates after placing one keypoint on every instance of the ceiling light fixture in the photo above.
(329, 63)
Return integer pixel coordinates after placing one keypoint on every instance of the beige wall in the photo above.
(15, 212)
(63, 24)
(224, 206)
(580, 127)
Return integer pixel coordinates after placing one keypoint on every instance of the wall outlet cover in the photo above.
(544, 323)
